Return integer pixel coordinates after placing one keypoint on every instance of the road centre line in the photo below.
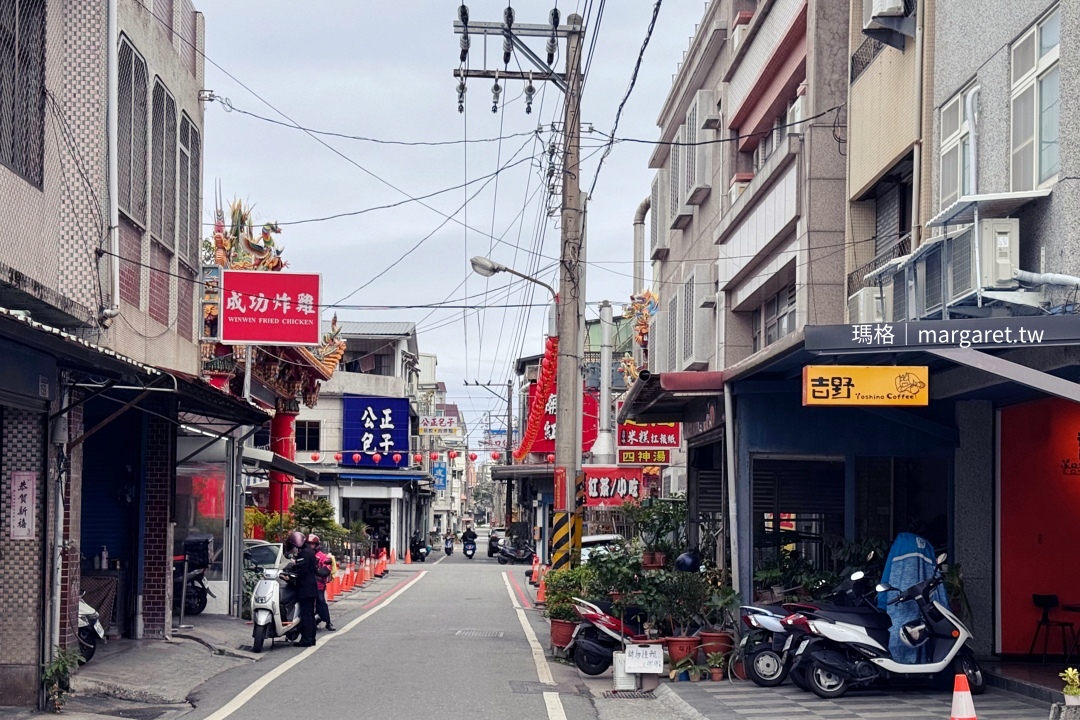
(245, 696)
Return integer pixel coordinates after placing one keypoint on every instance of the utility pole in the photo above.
(604, 448)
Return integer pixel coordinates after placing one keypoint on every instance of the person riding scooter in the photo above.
(468, 535)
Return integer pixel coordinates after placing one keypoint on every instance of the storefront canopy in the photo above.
(266, 460)
(515, 472)
(670, 397)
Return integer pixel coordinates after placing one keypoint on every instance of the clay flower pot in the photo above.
(716, 642)
(682, 647)
(561, 632)
(717, 673)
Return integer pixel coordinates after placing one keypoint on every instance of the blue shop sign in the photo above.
(374, 425)
(438, 471)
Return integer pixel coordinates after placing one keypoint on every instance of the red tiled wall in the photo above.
(159, 283)
(131, 264)
(185, 304)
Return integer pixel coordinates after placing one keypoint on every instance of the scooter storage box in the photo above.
(198, 548)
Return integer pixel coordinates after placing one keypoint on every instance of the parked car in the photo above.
(596, 543)
(495, 536)
(266, 555)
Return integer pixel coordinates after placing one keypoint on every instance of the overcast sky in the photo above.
(382, 69)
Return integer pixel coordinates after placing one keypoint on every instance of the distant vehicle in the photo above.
(267, 555)
(495, 537)
(596, 543)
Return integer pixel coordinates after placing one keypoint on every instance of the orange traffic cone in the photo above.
(393, 556)
(541, 594)
(963, 708)
(534, 577)
(408, 556)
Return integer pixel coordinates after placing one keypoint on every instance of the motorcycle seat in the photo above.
(864, 617)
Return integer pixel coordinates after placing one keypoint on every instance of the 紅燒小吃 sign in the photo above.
(868, 385)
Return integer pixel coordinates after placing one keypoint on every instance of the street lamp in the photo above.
(488, 267)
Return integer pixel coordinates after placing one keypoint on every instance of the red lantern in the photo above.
(337, 457)
(551, 457)
(452, 454)
(397, 458)
(434, 456)
(417, 458)
(495, 456)
(472, 456)
(356, 457)
(315, 457)
(377, 458)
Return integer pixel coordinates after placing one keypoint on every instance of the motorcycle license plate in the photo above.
(787, 643)
(99, 630)
(802, 646)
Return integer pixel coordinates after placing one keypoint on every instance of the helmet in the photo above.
(914, 633)
(296, 539)
(688, 562)
(313, 540)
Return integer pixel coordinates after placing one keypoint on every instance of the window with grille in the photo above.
(188, 200)
(132, 132)
(307, 435)
(673, 333)
(160, 279)
(688, 319)
(899, 296)
(163, 166)
(22, 88)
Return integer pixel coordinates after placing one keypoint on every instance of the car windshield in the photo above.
(263, 555)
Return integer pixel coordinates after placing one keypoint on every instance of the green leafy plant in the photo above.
(721, 609)
(56, 675)
(687, 665)
(561, 611)
(674, 599)
(716, 660)
(1071, 676)
(562, 587)
(661, 524)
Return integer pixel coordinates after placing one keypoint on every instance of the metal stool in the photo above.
(1046, 603)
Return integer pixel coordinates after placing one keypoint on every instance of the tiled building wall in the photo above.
(70, 584)
(22, 595)
(158, 491)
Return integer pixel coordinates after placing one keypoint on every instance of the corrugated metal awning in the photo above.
(994, 205)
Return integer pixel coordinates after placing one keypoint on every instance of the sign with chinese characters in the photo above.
(865, 385)
(438, 425)
(560, 488)
(375, 425)
(23, 505)
(545, 439)
(645, 658)
(647, 435)
(438, 471)
(999, 333)
(269, 308)
(606, 485)
(644, 457)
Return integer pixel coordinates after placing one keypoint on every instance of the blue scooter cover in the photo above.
(911, 560)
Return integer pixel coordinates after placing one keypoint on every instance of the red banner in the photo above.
(545, 438)
(269, 308)
(648, 435)
(607, 486)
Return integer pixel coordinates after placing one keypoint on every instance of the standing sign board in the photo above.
(269, 308)
(645, 659)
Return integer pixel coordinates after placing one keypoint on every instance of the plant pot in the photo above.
(650, 561)
(739, 670)
(1072, 699)
(716, 642)
(682, 647)
(615, 596)
(684, 676)
(717, 673)
(561, 632)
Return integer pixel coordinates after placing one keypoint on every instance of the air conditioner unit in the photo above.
(795, 115)
(866, 306)
(999, 252)
(928, 281)
(674, 481)
(739, 183)
(708, 110)
(658, 227)
(887, 8)
(738, 35)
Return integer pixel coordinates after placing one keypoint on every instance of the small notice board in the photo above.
(645, 659)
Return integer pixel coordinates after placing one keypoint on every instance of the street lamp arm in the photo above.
(541, 283)
(488, 267)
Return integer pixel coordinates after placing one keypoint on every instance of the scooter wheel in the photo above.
(825, 682)
(196, 601)
(590, 664)
(502, 560)
(798, 678)
(967, 664)
(765, 666)
(87, 643)
(258, 637)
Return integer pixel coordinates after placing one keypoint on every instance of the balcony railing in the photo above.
(864, 55)
(856, 280)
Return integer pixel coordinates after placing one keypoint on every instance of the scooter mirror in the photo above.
(870, 556)
(942, 558)
(857, 576)
(884, 587)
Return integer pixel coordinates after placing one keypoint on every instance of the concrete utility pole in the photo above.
(571, 277)
(604, 449)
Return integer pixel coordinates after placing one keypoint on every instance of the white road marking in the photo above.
(543, 670)
(254, 688)
(440, 559)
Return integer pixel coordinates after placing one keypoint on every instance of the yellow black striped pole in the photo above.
(575, 527)
(560, 541)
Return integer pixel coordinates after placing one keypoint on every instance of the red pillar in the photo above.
(282, 442)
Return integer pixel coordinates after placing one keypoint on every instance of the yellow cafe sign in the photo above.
(842, 385)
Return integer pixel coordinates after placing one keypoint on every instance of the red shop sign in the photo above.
(606, 485)
(269, 308)
(545, 438)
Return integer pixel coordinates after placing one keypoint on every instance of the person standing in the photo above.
(305, 566)
(322, 610)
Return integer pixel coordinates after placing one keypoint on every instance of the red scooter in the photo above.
(600, 634)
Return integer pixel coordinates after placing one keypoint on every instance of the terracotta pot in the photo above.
(717, 673)
(739, 670)
(716, 642)
(682, 647)
(561, 632)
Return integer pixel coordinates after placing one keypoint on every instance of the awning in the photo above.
(266, 460)
(994, 205)
(199, 397)
(513, 472)
(298, 485)
(388, 476)
(669, 397)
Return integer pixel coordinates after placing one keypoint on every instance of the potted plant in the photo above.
(56, 676)
(687, 669)
(661, 526)
(1071, 676)
(716, 662)
(720, 613)
(677, 597)
(562, 586)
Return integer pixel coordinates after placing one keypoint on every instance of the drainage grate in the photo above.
(139, 713)
(628, 695)
(479, 633)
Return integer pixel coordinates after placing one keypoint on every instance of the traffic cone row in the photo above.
(963, 708)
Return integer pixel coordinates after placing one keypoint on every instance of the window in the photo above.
(131, 132)
(774, 319)
(673, 334)
(22, 87)
(307, 435)
(261, 439)
(384, 365)
(755, 331)
(675, 177)
(1036, 98)
(189, 216)
(955, 149)
(163, 167)
(688, 319)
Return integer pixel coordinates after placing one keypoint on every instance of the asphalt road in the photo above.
(445, 640)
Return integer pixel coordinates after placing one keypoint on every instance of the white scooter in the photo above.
(90, 630)
(854, 650)
(273, 602)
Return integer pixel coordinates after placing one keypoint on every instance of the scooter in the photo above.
(518, 554)
(418, 550)
(273, 603)
(195, 596)
(90, 630)
(469, 548)
(600, 634)
(448, 546)
(854, 650)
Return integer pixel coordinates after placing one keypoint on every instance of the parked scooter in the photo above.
(469, 548)
(854, 650)
(273, 608)
(197, 592)
(90, 630)
(448, 546)
(418, 549)
(522, 553)
(600, 634)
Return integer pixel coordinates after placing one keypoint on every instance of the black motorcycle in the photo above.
(197, 592)
(418, 549)
(512, 554)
